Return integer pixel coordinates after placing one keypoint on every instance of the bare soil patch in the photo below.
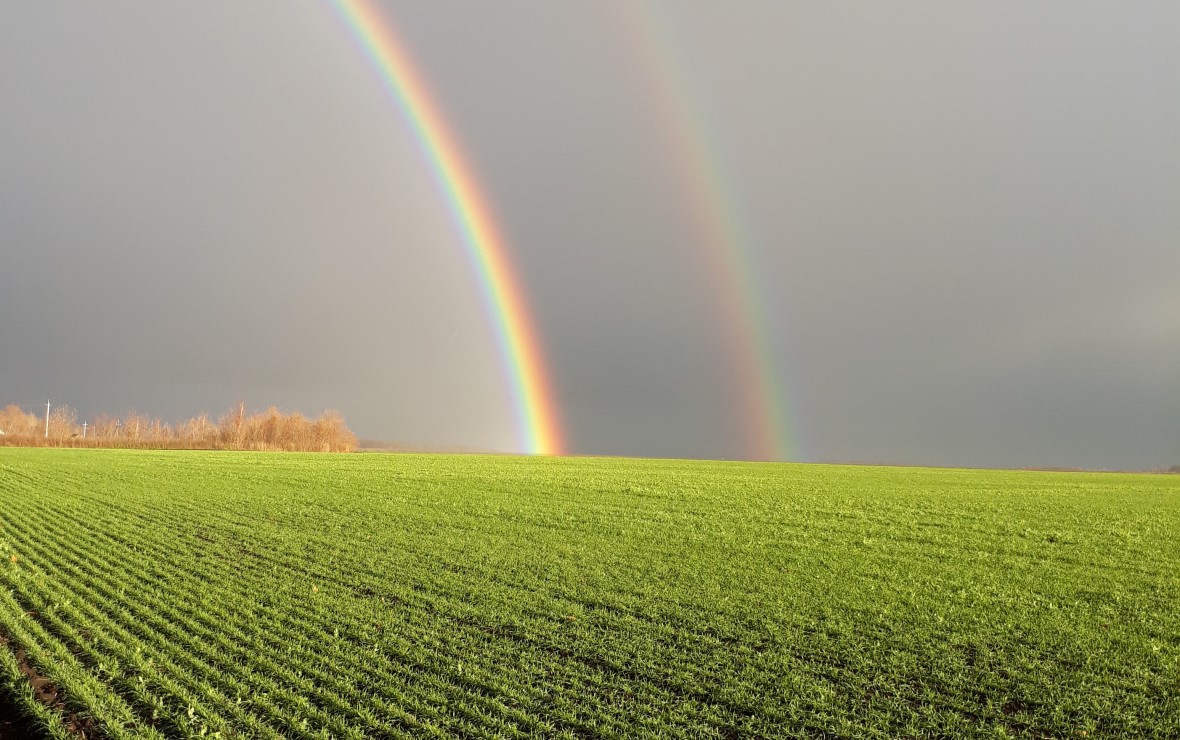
(12, 727)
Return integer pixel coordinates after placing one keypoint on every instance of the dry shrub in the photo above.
(63, 421)
(14, 421)
(235, 430)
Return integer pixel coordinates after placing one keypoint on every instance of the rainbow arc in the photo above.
(731, 266)
(729, 251)
(517, 339)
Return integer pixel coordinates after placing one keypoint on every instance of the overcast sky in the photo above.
(965, 217)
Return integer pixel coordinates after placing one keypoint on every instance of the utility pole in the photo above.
(46, 418)
(84, 429)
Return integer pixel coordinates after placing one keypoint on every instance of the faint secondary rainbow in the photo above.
(731, 262)
(519, 347)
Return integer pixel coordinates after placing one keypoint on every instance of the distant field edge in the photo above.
(423, 450)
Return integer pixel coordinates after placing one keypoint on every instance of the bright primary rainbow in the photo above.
(763, 408)
(731, 262)
(520, 352)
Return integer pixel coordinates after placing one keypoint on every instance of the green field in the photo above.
(168, 594)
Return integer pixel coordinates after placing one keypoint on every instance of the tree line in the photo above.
(233, 430)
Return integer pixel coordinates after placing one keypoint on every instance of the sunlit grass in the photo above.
(175, 594)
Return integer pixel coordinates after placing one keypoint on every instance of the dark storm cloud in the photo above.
(963, 215)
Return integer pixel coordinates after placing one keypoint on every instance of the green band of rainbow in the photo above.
(520, 352)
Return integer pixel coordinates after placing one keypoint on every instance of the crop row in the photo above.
(177, 653)
(285, 596)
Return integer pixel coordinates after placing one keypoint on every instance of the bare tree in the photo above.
(63, 424)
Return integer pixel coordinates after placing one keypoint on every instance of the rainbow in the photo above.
(517, 339)
(730, 255)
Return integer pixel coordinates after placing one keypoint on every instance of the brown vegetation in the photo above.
(234, 430)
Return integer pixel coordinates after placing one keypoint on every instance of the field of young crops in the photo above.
(168, 594)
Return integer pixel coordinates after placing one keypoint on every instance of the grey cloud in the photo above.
(962, 215)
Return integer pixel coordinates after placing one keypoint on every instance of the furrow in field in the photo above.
(674, 686)
(90, 584)
(106, 646)
(563, 655)
(85, 693)
(55, 602)
(18, 689)
(507, 597)
(516, 716)
(359, 579)
(671, 639)
(559, 652)
(281, 641)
